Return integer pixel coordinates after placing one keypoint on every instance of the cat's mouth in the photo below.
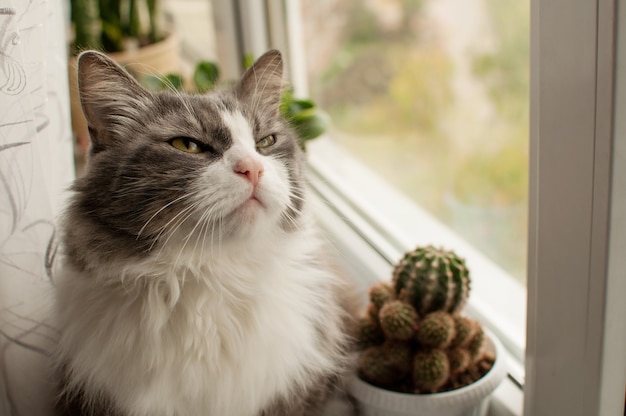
(252, 201)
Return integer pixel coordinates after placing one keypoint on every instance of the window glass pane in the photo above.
(433, 95)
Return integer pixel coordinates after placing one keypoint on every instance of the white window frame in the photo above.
(575, 334)
(576, 349)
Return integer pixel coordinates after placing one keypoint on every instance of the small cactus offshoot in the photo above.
(431, 370)
(465, 330)
(436, 330)
(398, 320)
(369, 333)
(460, 360)
(380, 293)
(383, 365)
(475, 347)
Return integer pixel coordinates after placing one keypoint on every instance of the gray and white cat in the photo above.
(193, 281)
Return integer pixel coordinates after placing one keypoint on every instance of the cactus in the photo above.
(369, 333)
(380, 293)
(459, 359)
(432, 279)
(413, 336)
(473, 373)
(431, 370)
(372, 313)
(383, 365)
(398, 320)
(475, 346)
(465, 329)
(436, 330)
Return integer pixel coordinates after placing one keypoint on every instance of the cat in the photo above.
(194, 281)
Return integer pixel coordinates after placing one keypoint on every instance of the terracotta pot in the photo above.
(158, 58)
(471, 400)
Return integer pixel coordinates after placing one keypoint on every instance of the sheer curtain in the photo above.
(35, 167)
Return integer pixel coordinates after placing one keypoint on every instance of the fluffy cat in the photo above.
(193, 280)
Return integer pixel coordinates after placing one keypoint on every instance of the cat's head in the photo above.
(170, 167)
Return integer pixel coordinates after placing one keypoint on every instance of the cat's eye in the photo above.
(187, 145)
(266, 141)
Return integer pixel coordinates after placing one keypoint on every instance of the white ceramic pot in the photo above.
(471, 400)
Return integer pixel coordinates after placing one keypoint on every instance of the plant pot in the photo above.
(158, 58)
(471, 400)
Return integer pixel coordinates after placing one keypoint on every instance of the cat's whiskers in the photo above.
(191, 233)
(290, 219)
(180, 218)
(187, 195)
(212, 223)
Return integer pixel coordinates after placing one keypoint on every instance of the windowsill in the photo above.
(355, 208)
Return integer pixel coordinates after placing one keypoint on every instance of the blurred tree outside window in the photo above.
(434, 96)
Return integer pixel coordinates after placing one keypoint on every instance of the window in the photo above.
(371, 222)
(429, 102)
(433, 96)
(576, 335)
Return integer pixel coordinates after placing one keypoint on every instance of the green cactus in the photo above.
(475, 346)
(459, 359)
(398, 320)
(431, 370)
(380, 293)
(369, 333)
(386, 365)
(436, 330)
(372, 312)
(465, 331)
(432, 279)
(473, 373)
(414, 337)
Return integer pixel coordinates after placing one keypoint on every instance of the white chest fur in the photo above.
(220, 339)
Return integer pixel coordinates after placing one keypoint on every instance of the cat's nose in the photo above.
(251, 168)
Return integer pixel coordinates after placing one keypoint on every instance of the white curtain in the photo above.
(36, 166)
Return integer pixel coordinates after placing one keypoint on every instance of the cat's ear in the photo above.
(112, 100)
(262, 84)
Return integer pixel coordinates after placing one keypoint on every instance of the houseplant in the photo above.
(305, 117)
(419, 354)
(130, 32)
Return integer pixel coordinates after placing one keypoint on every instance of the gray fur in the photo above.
(132, 170)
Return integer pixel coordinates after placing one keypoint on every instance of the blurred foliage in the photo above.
(506, 71)
(497, 179)
(389, 90)
(107, 25)
(420, 90)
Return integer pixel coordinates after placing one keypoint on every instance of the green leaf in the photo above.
(310, 123)
(205, 76)
(247, 61)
